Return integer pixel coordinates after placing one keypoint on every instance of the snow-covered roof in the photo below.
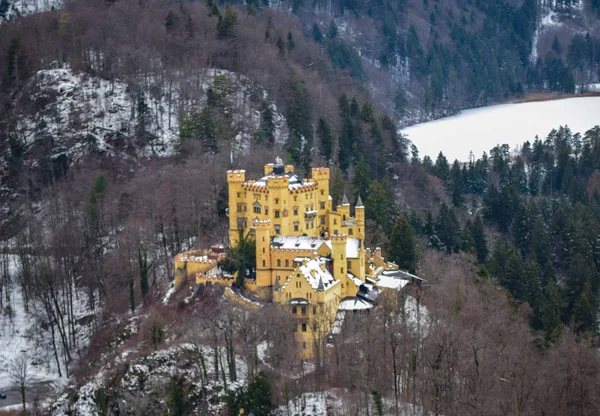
(313, 272)
(393, 279)
(298, 301)
(355, 279)
(354, 304)
(352, 247)
(297, 243)
(294, 181)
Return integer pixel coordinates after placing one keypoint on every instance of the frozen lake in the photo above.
(481, 129)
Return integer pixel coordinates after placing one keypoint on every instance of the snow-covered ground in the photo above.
(481, 129)
(335, 402)
(25, 334)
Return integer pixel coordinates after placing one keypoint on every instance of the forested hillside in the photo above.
(118, 120)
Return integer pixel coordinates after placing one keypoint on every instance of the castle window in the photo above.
(341, 270)
(303, 310)
(287, 263)
(322, 219)
(264, 263)
(266, 210)
(241, 223)
(285, 213)
(296, 226)
(277, 213)
(335, 232)
(296, 211)
(293, 310)
(276, 201)
(322, 192)
(239, 207)
(295, 197)
(349, 264)
(350, 231)
(344, 217)
(322, 205)
(278, 262)
(277, 229)
(304, 330)
(335, 221)
(263, 248)
(239, 194)
(257, 208)
(245, 207)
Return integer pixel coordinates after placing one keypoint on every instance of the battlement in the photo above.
(254, 187)
(236, 176)
(320, 173)
(262, 224)
(338, 238)
(278, 182)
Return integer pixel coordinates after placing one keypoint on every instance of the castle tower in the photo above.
(344, 209)
(237, 215)
(278, 201)
(338, 255)
(321, 176)
(359, 213)
(262, 230)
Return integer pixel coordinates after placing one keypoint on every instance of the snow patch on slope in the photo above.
(12, 9)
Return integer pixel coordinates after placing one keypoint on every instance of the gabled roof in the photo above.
(318, 278)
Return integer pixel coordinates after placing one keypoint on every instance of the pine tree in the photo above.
(143, 264)
(402, 246)
(267, 123)
(332, 32)
(585, 310)
(380, 205)
(550, 312)
(131, 295)
(457, 184)
(326, 138)
(226, 25)
(521, 230)
(361, 179)
(280, 46)
(317, 34)
(481, 248)
(337, 186)
(441, 168)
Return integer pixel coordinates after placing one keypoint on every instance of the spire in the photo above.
(359, 203)
(320, 287)
(345, 200)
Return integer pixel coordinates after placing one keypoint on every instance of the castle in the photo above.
(309, 255)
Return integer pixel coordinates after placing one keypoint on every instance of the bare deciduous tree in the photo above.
(19, 375)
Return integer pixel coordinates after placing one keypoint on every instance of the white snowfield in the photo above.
(481, 129)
